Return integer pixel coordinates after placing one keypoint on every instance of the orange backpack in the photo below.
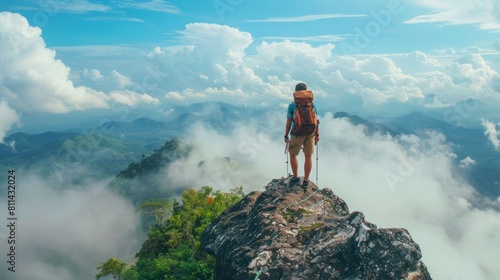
(304, 117)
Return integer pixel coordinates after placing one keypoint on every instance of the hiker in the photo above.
(303, 127)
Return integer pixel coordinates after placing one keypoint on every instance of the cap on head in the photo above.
(300, 86)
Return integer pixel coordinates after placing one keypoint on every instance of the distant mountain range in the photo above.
(109, 148)
(467, 113)
(63, 153)
(220, 116)
(370, 127)
(467, 142)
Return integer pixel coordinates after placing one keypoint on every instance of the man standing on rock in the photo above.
(303, 126)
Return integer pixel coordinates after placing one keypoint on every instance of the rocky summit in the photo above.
(287, 232)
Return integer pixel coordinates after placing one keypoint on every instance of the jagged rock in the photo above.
(290, 233)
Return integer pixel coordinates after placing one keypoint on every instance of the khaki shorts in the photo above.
(296, 143)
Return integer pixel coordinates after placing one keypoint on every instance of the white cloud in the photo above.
(220, 41)
(98, 51)
(175, 96)
(8, 117)
(113, 81)
(319, 38)
(65, 232)
(34, 81)
(485, 14)
(78, 6)
(297, 57)
(492, 133)
(94, 75)
(115, 19)
(466, 162)
(432, 101)
(121, 88)
(448, 80)
(377, 79)
(131, 98)
(233, 96)
(84, 6)
(152, 5)
(468, 76)
(407, 181)
(210, 60)
(305, 18)
(188, 95)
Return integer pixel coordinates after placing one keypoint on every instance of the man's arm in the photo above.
(287, 128)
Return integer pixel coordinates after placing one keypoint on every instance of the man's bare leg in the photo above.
(307, 167)
(295, 165)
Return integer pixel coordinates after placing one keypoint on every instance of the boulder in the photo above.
(287, 232)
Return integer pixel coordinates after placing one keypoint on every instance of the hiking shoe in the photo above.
(304, 185)
(294, 181)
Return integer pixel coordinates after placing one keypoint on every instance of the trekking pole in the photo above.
(317, 157)
(286, 156)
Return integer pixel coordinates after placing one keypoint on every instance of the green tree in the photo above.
(172, 249)
(112, 267)
(169, 152)
(158, 209)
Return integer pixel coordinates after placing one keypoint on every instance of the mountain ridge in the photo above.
(370, 127)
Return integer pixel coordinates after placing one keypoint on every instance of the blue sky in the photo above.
(81, 55)
(142, 23)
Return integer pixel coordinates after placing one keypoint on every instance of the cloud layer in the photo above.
(64, 232)
(220, 62)
(408, 181)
